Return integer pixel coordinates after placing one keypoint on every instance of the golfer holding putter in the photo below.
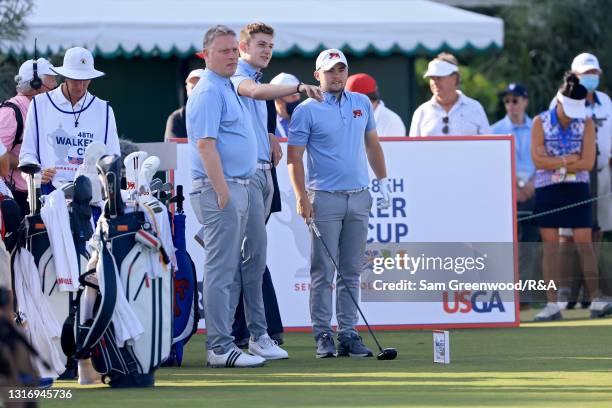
(339, 135)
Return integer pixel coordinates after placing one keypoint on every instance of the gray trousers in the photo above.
(342, 219)
(223, 237)
(254, 252)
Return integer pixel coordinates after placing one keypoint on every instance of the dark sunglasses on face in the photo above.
(445, 129)
(513, 101)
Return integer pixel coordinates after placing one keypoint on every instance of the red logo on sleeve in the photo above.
(357, 113)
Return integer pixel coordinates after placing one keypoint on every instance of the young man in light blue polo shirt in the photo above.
(256, 44)
(223, 158)
(340, 137)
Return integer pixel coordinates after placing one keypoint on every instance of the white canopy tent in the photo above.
(164, 28)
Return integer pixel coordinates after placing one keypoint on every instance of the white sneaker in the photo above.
(233, 358)
(600, 308)
(550, 312)
(267, 348)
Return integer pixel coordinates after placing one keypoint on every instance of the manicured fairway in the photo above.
(566, 364)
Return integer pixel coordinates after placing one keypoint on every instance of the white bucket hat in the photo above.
(78, 65)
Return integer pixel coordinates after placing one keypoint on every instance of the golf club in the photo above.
(385, 354)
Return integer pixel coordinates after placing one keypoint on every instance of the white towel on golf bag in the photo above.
(161, 227)
(57, 221)
(41, 326)
(127, 325)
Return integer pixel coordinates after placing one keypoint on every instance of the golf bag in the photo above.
(186, 311)
(121, 294)
(33, 253)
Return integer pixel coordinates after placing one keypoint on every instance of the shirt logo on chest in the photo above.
(357, 113)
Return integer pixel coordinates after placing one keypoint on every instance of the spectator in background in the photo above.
(517, 123)
(176, 125)
(13, 113)
(285, 105)
(599, 108)
(563, 151)
(449, 112)
(388, 123)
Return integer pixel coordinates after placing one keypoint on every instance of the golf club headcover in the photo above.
(133, 162)
(109, 167)
(93, 152)
(80, 211)
(146, 173)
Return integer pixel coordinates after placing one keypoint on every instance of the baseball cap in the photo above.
(362, 83)
(285, 79)
(440, 68)
(573, 108)
(516, 89)
(26, 70)
(585, 62)
(78, 65)
(195, 73)
(328, 58)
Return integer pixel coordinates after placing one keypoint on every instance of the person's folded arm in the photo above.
(587, 157)
(539, 156)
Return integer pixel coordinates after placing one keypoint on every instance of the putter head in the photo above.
(387, 354)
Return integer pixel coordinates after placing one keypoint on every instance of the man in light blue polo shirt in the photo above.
(256, 44)
(340, 137)
(518, 123)
(223, 158)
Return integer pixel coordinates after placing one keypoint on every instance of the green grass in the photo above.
(567, 364)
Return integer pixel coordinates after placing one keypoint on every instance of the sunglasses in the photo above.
(445, 129)
(513, 101)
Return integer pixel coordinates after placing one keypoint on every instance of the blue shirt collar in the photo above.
(213, 76)
(330, 98)
(525, 125)
(595, 99)
(250, 70)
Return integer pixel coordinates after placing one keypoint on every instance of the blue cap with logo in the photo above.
(516, 90)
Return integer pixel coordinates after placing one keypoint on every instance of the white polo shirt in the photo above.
(466, 118)
(388, 123)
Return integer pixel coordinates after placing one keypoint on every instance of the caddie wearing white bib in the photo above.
(62, 123)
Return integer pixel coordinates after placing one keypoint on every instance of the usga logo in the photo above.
(466, 301)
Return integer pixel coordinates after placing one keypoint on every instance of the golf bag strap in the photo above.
(68, 340)
(106, 128)
(19, 119)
